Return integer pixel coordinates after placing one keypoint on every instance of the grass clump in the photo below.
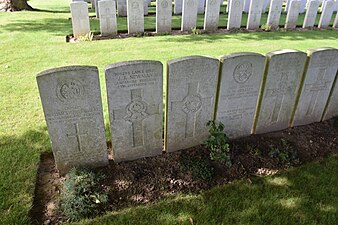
(218, 144)
(82, 196)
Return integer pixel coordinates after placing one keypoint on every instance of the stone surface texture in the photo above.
(321, 72)
(122, 7)
(134, 91)
(211, 18)
(135, 16)
(240, 81)
(163, 16)
(80, 18)
(72, 106)
(326, 15)
(274, 13)
(189, 14)
(178, 7)
(235, 14)
(311, 14)
(108, 25)
(292, 16)
(191, 93)
(201, 6)
(279, 92)
(255, 13)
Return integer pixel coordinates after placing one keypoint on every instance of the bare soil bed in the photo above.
(148, 180)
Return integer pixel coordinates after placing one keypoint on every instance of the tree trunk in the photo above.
(14, 5)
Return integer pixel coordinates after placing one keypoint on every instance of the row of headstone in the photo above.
(247, 92)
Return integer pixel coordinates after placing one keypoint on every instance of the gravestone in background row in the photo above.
(311, 14)
(292, 16)
(246, 6)
(135, 16)
(122, 7)
(332, 106)
(189, 15)
(134, 91)
(326, 15)
(80, 18)
(335, 23)
(108, 25)
(163, 15)
(178, 6)
(71, 101)
(321, 72)
(278, 95)
(255, 13)
(274, 13)
(201, 6)
(241, 76)
(211, 17)
(190, 103)
(235, 14)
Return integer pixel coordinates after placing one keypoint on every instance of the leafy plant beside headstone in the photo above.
(82, 196)
(285, 154)
(217, 143)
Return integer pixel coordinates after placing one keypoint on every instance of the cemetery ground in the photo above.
(34, 41)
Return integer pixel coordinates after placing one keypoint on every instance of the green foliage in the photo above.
(217, 143)
(285, 154)
(81, 195)
(87, 37)
(266, 27)
(196, 31)
(198, 165)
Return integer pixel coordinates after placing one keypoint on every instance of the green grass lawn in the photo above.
(34, 41)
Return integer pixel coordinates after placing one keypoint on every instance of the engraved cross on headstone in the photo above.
(314, 88)
(135, 112)
(78, 135)
(191, 105)
(279, 93)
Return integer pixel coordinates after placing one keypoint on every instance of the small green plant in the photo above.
(285, 154)
(196, 31)
(218, 144)
(198, 165)
(266, 27)
(87, 37)
(82, 196)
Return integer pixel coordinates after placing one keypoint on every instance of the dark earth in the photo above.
(148, 180)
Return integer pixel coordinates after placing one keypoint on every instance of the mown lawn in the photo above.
(34, 41)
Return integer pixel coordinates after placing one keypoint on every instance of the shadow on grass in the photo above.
(305, 195)
(19, 157)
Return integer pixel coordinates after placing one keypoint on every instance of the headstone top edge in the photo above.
(189, 58)
(79, 2)
(284, 51)
(132, 62)
(239, 54)
(65, 69)
(315, 50)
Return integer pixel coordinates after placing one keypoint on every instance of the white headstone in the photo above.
(72, 105)
(96, 3)
(80, 18)
(201, 6)
(145, 5)
(255, 13)
(326, 16)
(235, 14)
(189, 15)
(178, 7)
(292, 16)
(335, 23)
(287, 5)
(107, 9)
(190, 101)
(135, 16)
(211, 18)
(332, 104)
(122, 7)
(240, 82)
(311, 14)
(134, 92)
(274, 13)
(302, 7)
(163, 16)
(246, 6)
(321, 72)
(278, 95)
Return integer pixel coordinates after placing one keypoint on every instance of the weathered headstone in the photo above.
(326, 16)
(321, 72)
(255, 13)
(201, 6)
(278, 95)
(332, 105)
(178, 7)
(96, 3)
(241, 77)
(211, 17)
(71, 101)
(246, 6)
(292, 16)
(189, 15)
(311, 14)
(274, 13)
(134, 92)
(163, 16)
(190, 101)
(135, 16)
(302, 7)
(122, 7)
(80, 18)
(107, 9)
(335, 23)
(145, 9)
(235, 14)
